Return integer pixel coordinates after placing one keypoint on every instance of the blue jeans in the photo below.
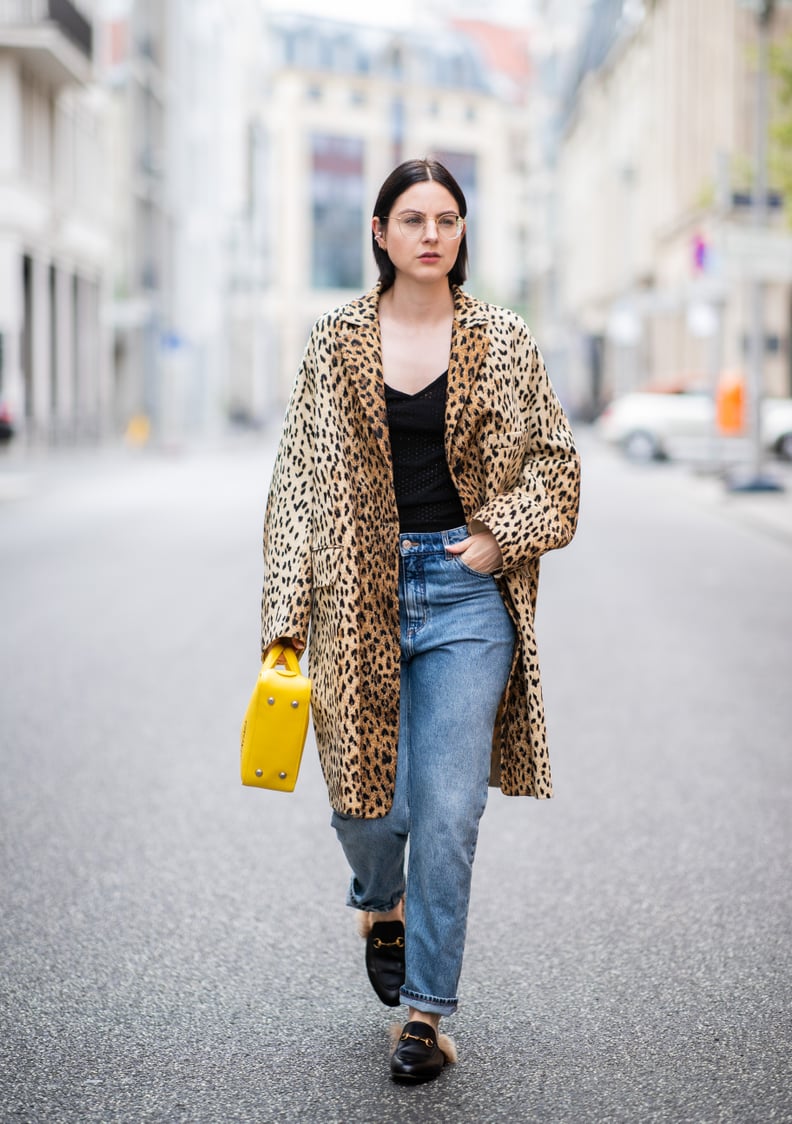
(457, 643)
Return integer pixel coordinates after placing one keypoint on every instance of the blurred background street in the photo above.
(175, 948)
(185, 186)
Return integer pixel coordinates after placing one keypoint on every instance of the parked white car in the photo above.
(654, 426)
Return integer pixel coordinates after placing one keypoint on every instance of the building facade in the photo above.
(179, 74)
(187, 186)
(133, 69)
(656, 252)
(55, 208)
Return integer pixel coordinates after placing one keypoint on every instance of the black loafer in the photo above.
(385, 960)
(417, 1056)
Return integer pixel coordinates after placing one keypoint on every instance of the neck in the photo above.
(418, 303)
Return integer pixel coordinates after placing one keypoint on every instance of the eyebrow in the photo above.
(441, 215)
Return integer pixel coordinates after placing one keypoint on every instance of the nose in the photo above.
(430, 231)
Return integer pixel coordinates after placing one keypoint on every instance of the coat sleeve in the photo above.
(286, 595)
(540, 512)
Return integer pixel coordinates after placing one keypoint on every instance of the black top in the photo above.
(425, 494)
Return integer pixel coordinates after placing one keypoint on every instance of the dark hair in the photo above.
(407, 174)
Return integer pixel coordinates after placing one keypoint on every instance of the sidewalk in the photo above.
(695, 480)
(770, 512)
(23, 469)
(26, 471)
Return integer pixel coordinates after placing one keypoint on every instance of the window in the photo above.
(337, 206)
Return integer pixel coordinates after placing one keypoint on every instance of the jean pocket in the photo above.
(468, 569)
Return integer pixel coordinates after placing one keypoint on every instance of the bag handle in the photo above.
(288, 653)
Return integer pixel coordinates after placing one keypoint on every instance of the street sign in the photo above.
(751, 254)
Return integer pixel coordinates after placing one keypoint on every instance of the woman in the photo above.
(425, 465)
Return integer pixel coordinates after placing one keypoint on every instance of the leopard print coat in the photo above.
(331, 534)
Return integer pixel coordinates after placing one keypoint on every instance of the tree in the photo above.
(781, 121)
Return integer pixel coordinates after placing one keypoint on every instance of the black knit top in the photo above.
(425, 494)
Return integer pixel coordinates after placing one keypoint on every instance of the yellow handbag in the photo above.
(276, 723)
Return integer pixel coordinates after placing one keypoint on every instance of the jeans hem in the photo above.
(354, 903)
(429, 1003)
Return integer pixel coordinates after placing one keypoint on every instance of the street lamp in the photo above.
(757, 480)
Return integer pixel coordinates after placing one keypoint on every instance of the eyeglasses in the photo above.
(413, 224)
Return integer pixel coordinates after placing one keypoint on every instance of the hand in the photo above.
(480, 552)
(298, 645)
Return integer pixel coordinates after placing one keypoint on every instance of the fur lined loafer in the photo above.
(418, 1056)
(385, 960)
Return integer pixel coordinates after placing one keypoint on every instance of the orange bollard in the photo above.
(730, 405)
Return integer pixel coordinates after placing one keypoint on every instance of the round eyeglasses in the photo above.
(413, 224)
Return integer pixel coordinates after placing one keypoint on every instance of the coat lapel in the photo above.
(469, 347)
(362, 356)
(361, 349)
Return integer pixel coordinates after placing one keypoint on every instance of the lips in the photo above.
(430, 257)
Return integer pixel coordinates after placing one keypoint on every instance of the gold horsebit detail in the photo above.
(398, 943)
(428, 1042)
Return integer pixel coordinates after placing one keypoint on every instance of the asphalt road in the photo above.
(175, 947)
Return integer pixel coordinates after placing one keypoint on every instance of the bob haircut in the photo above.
(407, 174)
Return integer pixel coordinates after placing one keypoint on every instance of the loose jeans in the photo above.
(457, 642)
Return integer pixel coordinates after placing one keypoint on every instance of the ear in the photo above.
(379, 234)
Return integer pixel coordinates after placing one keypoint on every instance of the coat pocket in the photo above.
(325, 561)
(504, 456)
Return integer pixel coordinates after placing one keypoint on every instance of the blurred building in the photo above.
(188, 186)
(334, 108)
(178, 75)
(55, 210)
(133, 68)
(656, 249)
